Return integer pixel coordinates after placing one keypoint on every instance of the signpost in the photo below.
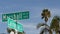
(16, 16)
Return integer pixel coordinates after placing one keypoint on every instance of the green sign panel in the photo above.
(19, 27)
(11, 23)
(16, 16)
(14, 25)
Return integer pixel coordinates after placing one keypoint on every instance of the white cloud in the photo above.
(29, 25)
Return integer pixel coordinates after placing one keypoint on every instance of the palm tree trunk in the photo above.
(45, 23)
(45, 28)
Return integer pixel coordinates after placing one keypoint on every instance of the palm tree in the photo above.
(45, 15)
(55, 24)
(47, 28)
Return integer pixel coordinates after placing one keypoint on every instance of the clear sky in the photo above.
(35, 8)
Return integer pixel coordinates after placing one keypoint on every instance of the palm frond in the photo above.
(46, 29)
(42, 32)
(40, 24)
(45, 14)
(49, 15)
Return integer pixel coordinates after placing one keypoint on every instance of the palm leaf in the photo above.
(40, 24)
(46, 29)
(55, 23)
(46, 14)
(42, 32)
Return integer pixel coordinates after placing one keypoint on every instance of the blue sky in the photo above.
(35, 8)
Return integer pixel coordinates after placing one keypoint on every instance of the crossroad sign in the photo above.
(19, 27)
(16, 16)
(14, 25)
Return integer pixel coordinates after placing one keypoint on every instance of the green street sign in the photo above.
(14, 25)
(11, 23)
(16, 16)
(19, 27)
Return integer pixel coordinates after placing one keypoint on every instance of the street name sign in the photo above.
(14, 25)
(11, 23)
(19, 27)
(16, 16)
